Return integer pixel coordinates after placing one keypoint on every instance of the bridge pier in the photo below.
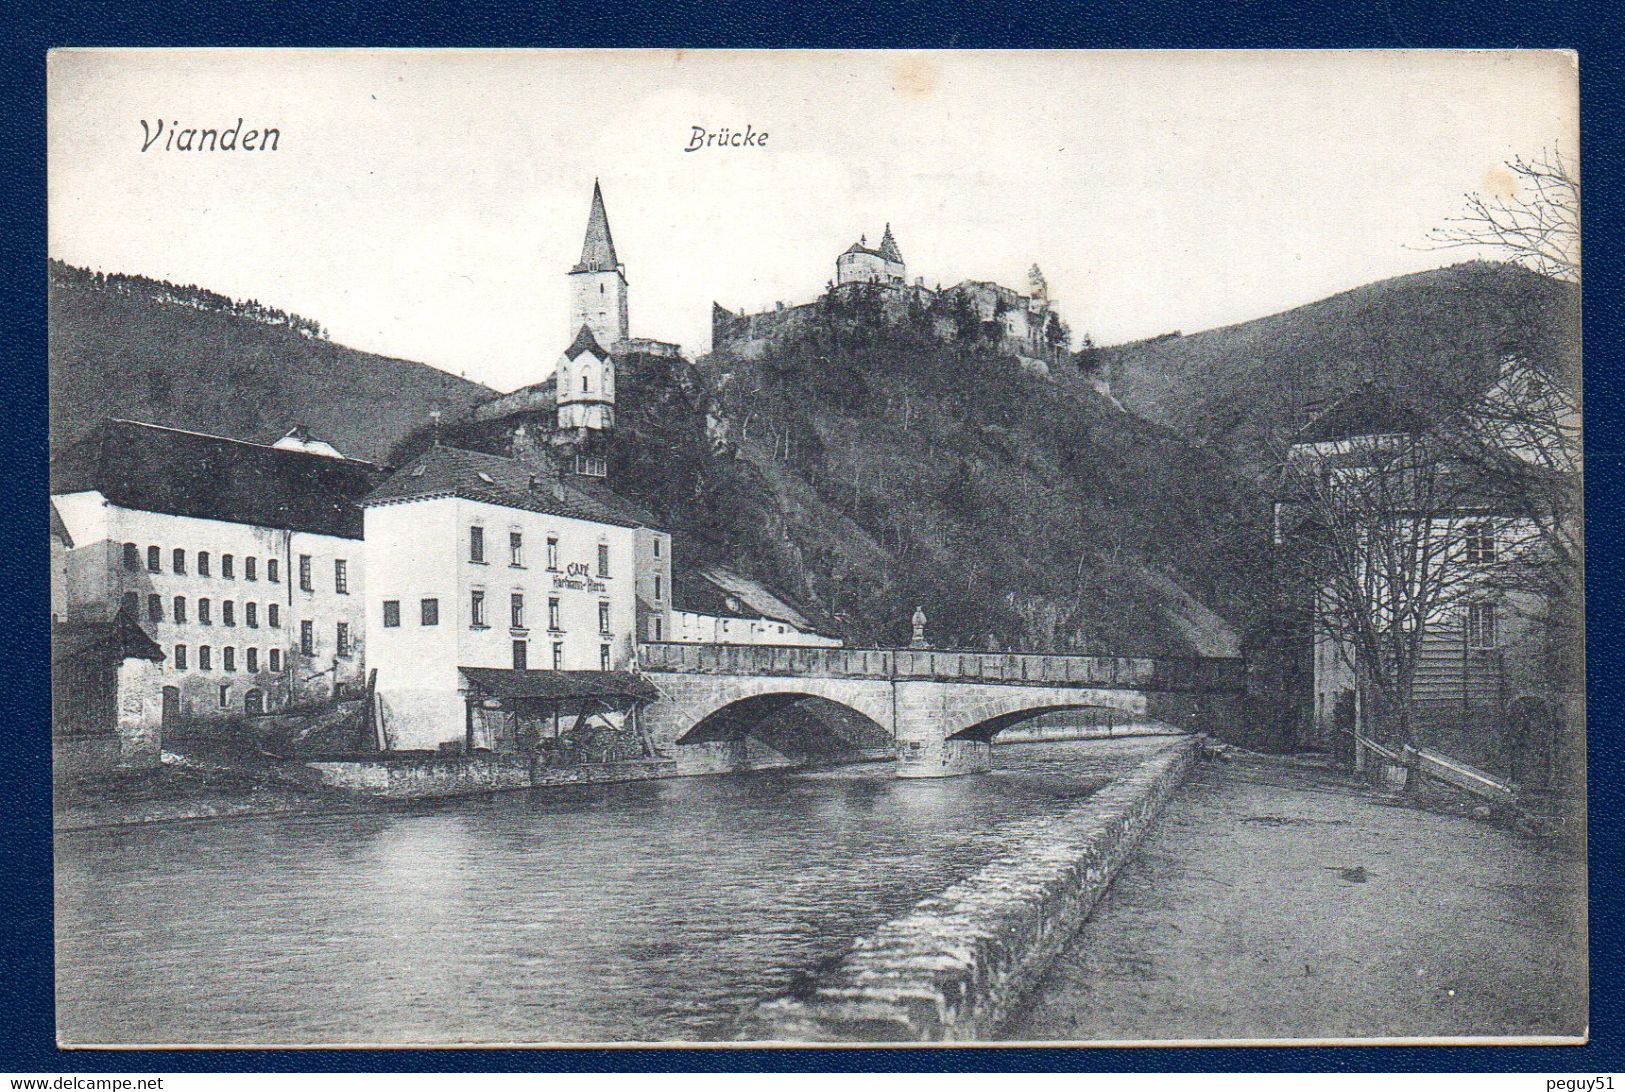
(943, 757)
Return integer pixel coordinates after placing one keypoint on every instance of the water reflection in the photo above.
(645, 912)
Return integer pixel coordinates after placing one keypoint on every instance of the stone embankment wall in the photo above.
(429, 776)
(954, 968)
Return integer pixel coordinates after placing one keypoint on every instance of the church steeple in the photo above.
(598, 282)
(598, 248)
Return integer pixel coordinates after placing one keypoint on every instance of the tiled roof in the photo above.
(179, 473)
(1367, 411)
(726, 594)
(477, 476)
(59, 530)
(121, 639)
(598, 248)
(502, 682)
(694, 593)
(888, 247)
(585, 343)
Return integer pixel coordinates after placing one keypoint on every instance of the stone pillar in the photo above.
(140, 712)
(922, 750)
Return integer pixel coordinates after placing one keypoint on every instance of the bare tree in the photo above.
(1374, 529)
(1537, 227)
(1522, 443)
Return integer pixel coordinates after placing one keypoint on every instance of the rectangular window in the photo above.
(552, 554)
(655, 628)
(251, 568)
(132, 556)
(307, 637)
(203, 563)
(155, 559)
(657, 546)
(553, 614)
(603, 617)
(392, 613)
(179, 608)
(603, 559)
(228, 658)
(228, 613)
(516, 605)
(1480, 544)
(558, 655)
(344, 638)
(603, 657)
(1481, 625)
(273, 571)
(476, 545)
(180, 657)
(227, 572)
(225, 697)
(276, 659)
(516, 549)
(341, 576)
(253, 657)
(251, 616)
(519, 655)
(658, 588)
(304, 573)
(177, 562)
(203, 618)
(476, 609)
(203, 658)
(155, 608)
(430, 615)
(273, 616)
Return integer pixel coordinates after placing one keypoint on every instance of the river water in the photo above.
(651, 911)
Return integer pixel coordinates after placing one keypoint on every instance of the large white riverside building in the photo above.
(490, 579)
(242, 561)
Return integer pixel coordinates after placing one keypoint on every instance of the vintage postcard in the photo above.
(712, 547)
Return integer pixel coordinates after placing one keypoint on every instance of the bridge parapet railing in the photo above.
(1020, 668)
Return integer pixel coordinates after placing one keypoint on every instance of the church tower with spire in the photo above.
(598, 282)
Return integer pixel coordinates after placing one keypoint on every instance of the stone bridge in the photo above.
(740, 706)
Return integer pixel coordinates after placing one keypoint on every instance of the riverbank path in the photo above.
(1275, 901)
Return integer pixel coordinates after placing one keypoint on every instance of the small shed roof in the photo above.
(498, 682)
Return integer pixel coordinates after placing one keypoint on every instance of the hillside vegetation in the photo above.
(864, 468)
(1435, 337)
(145, 350)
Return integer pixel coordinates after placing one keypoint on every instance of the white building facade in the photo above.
(252, 617)
(719, 607)
(475, 561)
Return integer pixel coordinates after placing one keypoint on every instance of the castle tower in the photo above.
(584, 385)
(598, 281)
(861, 263)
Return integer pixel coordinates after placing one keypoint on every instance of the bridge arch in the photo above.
(985, 714)
(986, 730)
(794, 725)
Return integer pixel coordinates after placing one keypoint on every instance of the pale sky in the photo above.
(427, 204)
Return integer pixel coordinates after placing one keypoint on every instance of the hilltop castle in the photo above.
(1025, 324)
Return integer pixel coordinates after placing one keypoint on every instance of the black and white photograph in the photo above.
(810, 547)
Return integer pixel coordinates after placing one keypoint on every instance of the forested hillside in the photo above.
(132, 347)
(1434, 337)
